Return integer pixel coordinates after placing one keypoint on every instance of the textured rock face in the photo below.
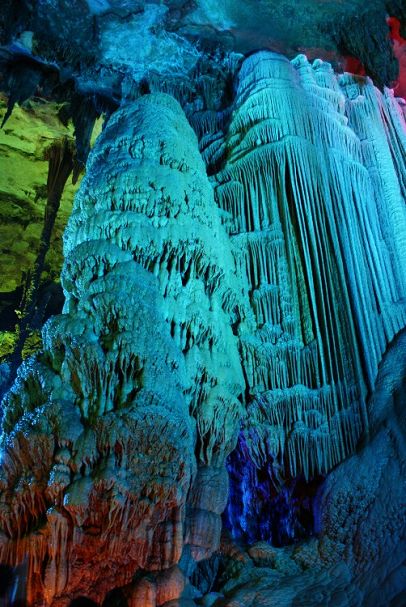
(23, 170)
(162, 36)
(320, 249)
(357, 558)
(356, 523)
(139, 380)
(294, 129)
(185, 320)
(25, 144)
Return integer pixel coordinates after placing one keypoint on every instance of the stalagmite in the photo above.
(138, 385)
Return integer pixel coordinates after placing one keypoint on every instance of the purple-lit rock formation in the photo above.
(245, 331)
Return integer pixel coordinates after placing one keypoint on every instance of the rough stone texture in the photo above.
(357, 559)
(163, 35)
(24, 142)
(92, 54)
(367, 530)
(184, 319)
(138, 376)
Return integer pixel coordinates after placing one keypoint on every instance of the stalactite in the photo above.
(22, 81)
(311, 241)
(60, 165)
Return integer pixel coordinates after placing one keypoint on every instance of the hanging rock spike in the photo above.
(320, 250)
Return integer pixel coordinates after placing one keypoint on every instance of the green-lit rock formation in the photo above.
(23, 178)
(25, 144)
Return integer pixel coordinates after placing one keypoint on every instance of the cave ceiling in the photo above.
(84, 37)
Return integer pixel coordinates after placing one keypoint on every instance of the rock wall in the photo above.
(23, 177)
(25, 142)
(356, 556)
(312, 186)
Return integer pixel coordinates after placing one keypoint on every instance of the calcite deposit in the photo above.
(320, 249)
(139, 379)
(216, 416)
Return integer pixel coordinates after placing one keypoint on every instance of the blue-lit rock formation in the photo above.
(135, 395)
(318, 218)
(313, 184)
(249, 324)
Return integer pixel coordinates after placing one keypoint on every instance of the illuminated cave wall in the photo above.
(216, 416)
(24, 141)
(298, 226)
(23, 177)
(261, 303)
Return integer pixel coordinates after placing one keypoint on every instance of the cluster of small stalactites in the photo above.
(311, 198)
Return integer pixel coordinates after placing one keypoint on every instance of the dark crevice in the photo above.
(262, 508)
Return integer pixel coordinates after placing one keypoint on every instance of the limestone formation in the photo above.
(23, 177)
(357, 555)
(320, 250)
(138, 383)
(234, 337)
